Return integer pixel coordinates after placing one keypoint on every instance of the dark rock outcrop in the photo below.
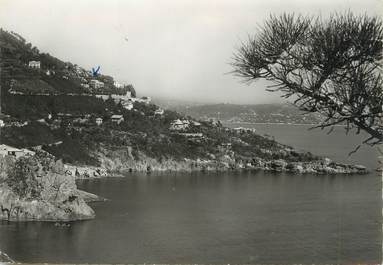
(36, 188)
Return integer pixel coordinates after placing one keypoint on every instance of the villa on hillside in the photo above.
(127, 105)
(178, 125)
(117, 118)
(159, 111)
(117, 98)
(98, 121)
(34, 64)
(12, 151)
(96, 84)
(118, 85)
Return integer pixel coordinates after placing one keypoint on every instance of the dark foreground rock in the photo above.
(37, 189)
(15, 208)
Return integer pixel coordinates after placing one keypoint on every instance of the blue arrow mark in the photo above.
(95, 71)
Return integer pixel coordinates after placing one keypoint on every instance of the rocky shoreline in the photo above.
(16, 208)
(59, 200)
(112, 166)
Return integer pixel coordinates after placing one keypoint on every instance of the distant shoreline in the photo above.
(276, 123)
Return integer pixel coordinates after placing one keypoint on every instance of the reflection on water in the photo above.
(251, 217)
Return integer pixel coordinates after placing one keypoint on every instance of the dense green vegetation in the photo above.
(35, 107)
(33, 134)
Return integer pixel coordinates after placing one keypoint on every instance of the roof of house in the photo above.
(9, 148)
(177, 122)
(116, 116)
(96, 81)
(27, 151)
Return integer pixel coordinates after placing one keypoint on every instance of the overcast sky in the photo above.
(176, 49)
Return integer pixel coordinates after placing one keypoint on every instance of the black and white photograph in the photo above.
(191, 131)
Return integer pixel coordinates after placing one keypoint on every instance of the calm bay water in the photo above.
(222, 218)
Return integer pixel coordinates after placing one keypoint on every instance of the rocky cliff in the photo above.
(37, 188)
(120, 161)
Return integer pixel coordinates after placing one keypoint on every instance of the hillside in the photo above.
(27, 71)
(90, 121)
(262, 113)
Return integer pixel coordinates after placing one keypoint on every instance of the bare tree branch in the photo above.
(332, 67)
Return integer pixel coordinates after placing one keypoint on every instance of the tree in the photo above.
(332, 66)
(132, 90)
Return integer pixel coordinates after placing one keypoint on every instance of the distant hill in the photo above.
(263, 113)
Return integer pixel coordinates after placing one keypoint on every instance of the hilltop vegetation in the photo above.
(52, 77)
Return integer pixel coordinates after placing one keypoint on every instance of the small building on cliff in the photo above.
(94, 83)
(98, 121)
(178, 125)
(117, 118)
(12, 151)
(159, 112)
(34, 64)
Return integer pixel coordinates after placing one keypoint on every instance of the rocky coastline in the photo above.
(16, 208)
(51, 193)
(116, 164)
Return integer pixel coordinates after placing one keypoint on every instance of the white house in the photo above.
(159, 112)
(117, 118)
(118, 85)
(127, 105)
(96, 84)
(178, 125)
(98, 121)
(2, 124)
(128, 94)
(117, 98)
(12, 151)
(34, 64)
